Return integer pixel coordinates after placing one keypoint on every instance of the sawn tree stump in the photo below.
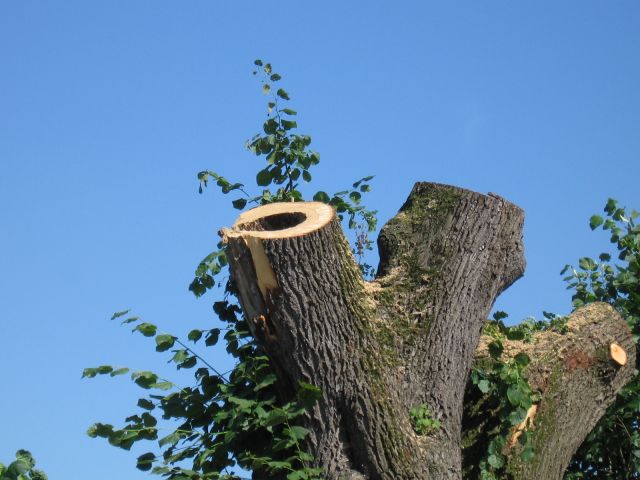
(377, 349)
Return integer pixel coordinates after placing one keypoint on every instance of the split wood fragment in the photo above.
(526, 423)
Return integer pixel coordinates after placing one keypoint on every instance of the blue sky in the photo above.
(108, 110)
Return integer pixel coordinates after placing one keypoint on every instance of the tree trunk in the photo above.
(409, 337)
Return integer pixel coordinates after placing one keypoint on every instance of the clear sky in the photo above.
(109, 108)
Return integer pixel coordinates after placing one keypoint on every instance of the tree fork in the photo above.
(380, 348)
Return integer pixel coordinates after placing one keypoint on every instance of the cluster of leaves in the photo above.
(289, 162)
(22, 468)
(221, 421)
(241, 419)
(524, 330)
(505, 392)
(422, 421)
(612, 449)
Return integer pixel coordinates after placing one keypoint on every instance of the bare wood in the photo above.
(522, 426)
(618, 354)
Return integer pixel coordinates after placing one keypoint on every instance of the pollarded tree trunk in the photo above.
(410, 337)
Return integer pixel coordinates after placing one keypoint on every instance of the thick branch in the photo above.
(443, 260)
(577, 378)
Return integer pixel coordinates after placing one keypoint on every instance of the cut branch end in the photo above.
(618, 354)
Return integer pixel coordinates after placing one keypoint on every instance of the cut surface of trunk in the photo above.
(379, 349)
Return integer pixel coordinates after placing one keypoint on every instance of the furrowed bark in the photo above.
(380, 348)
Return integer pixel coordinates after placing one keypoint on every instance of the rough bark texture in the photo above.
(410, 337)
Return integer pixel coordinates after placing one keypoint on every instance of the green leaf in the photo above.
(239, 203)
(172, 439)
(500, 315)
(516, 396)
(161, 385)
(89, 373)
(321, 197)
(484, 386)
(119, 371)
(522, 359)
(496, 348)
(308, 394)
(297, 432)
(496, 460)
(604, 257)
(587, 263)
(195, 335)
(100, 430)
(266, 88)
(263, 178)
(212, 337)
(595, 221)
(514, 334)
(146, 404)
(275, 417)
(119, 314)
(164, 342)
(144, 379)
(145, 461)
(527, 453)
(306, 176)
(288, 111)
(288, 124)
(270, 379)
(146, 329)
(242, 403)
(257, 62)
(282, 94)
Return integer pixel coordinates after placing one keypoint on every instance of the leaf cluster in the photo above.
(505, 394)
(22, 468)
(422, 421)
(221, 421)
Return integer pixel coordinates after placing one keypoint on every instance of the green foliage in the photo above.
(22, 468)
(421, 420)
(505, 391)
(239, 419)
(524, 330)
(612, 449)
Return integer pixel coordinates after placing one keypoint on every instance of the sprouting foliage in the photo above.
(237, 419)
(22, 468)
(422, 421)
(612, 449)
(505, 391)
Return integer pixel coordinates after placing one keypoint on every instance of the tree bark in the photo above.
(408, 338)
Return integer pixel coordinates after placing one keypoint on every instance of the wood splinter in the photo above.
(526, 423)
